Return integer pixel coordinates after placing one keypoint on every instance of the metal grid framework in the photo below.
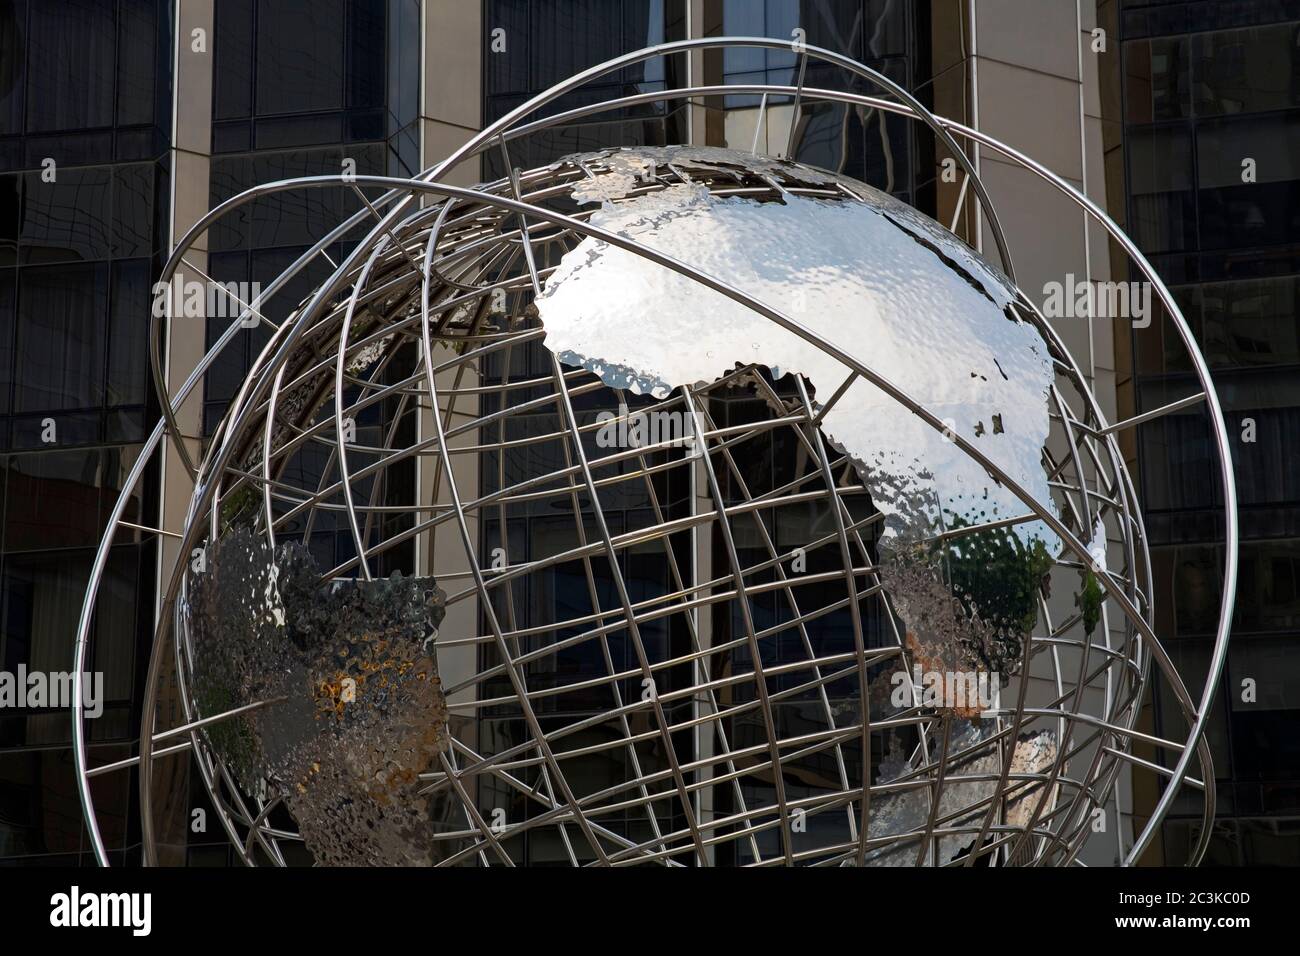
(445, 276)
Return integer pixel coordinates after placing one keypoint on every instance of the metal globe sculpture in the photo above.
(673, 506)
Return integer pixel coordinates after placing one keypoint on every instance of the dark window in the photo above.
(1265, 211)
(84, 85)
(299, 57)
(1248, 71)
(70, 48)
(299, 90)
(1158, 80)
(61, 337)
(38, 813)
(546, 41)
(1161, 189)
(13, 64)
(136, 62)
(868, 145)
(366, 55)
(1268, 588)
(1263, 677)
(8, 328)
(1179, 468)
(129, 315)
(70, 218)
(1251, 323)
(1212, 107)
(233, 60)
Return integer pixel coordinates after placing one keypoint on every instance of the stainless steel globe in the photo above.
(678, 506)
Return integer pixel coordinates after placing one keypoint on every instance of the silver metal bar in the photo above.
(1154, 414)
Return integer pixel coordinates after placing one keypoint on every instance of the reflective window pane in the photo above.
(1157, 80)
(62, 313)
(1248, 71)
(299, 56)
(71, 52)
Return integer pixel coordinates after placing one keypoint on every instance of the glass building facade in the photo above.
(298, 92)
(885, 150)
(530, 45)
(1211, 114)
(85, 119)
(86, 127)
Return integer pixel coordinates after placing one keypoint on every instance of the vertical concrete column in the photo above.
(451, 70)
(451, 111)
(707, 120)
(1035, 75)
(190, 162)
(951, 84)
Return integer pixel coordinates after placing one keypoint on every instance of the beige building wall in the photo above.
(451, 110)
(451, 70)
(1032, 81)
(185, 344)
